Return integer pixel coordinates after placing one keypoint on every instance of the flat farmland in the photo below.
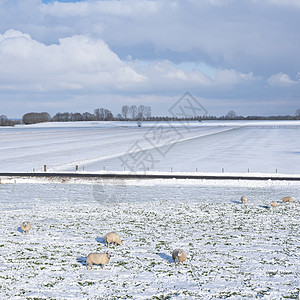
(234, 251)
(261, 147)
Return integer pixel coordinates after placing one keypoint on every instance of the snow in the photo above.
(106, 124)
(234, 250)
(257, 147)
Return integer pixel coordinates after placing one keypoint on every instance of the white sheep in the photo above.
(97, 258)
(112, 237)
(274, 203)
(287, 199)
(179, 255)
(25, 227)
(244, 199)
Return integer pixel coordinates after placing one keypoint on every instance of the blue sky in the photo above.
(75, 56)
(72, 1)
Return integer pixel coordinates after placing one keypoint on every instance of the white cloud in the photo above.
(82, 63)
(166, 75)
(251, 36)
(282, 80)
(232, 77)
(233, 34)
(96, 48)
(77, 62)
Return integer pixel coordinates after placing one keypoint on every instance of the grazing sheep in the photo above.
(98, 259)
(112, 237)
(25, 227)
(274, 203)
(179, 255)
(244, 199)
(287, 199)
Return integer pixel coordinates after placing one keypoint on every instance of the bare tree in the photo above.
(298, 112)
(103, 114)
(3, 120)
(133, 111)
(141, 112)
(97, 113)
(62, 117)
(65, 117)
(87, 116)
(231, 114)
(33, 118)
(125, 111)
(148, 112)
(76, 117)
(108, 116)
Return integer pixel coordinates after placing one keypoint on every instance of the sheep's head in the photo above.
(243, 199)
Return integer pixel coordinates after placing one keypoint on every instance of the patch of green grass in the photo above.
(86, 283)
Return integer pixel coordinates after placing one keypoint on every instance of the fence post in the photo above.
(45, 168)
(76, 168)
(222, 170)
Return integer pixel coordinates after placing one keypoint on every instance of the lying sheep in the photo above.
(25, 227)
(179, 255)
(274, 203)
(112, 237)
(287, 199)
(98, 259)
(244, 199)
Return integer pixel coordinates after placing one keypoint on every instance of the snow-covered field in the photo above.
(115, 146)
(234, 251)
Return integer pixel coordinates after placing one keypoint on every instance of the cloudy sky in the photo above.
(75, 56)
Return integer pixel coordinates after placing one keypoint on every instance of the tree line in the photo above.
(133, 112)
(4, 121)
